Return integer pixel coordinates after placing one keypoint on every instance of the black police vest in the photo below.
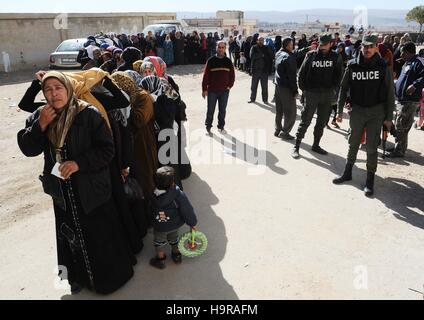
(321, 71)
(367, 84)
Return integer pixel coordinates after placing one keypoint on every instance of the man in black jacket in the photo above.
(260, 63)
(409, 88)
(285, 89)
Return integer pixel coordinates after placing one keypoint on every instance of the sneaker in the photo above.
(295, 153)
(277, 133)
(222, 131)
(158, 263)
(319, 150)
(287, 136)
(209, 132)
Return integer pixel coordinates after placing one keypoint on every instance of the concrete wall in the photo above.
(30, 38)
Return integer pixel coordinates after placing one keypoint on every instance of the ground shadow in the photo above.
(398, 195)
(198, 278)
(228, 140)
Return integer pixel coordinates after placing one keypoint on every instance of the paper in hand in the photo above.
(55, 170)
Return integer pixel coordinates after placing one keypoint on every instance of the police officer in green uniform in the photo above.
(368, 85)
(319, 76)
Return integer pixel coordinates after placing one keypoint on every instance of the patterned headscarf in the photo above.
(126, 83)
(59, 128)
(158, 86)
(135, 76)
(137, 65)
(147, 65)
(159, 64)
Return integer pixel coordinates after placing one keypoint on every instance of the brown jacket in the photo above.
(145, 156)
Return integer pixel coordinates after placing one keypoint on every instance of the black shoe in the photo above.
(295, 153)
(369, 184)
(287, 136)
(76, 288)
(266, 102)
(209, 132)
(277, 133)
(251, 101)
(394, 154)
(346, 176)
(158, 263)
(318, 149)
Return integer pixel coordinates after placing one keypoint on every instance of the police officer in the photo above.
(319, 76)
(369, 82)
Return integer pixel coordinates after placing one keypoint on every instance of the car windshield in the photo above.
(73, 45)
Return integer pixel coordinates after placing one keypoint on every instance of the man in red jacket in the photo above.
(218, 79)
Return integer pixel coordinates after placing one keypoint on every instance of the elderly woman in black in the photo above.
(78, 147)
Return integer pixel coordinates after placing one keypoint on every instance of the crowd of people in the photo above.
(174, 48)
(100, 129)
(101, 132)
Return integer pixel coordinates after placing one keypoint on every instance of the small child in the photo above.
(171, 210)
(242, 62)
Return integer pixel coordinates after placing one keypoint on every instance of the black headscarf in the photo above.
(130, 55)
(277, 43)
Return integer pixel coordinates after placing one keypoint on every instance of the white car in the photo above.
(65, 55)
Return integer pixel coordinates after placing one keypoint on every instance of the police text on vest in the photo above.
(366, 75)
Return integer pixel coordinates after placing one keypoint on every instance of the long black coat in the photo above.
(87, 222)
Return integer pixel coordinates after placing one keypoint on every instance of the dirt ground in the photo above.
(277, 231)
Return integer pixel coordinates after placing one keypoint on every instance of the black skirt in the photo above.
(91, 248)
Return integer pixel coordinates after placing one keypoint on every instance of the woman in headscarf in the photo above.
(130, 55)
(159, 64)
(110, 63)
(144, 157)
(95, 58)
(179, 48)
(96, 87)
(278, 43)
(386, 54)
(169, 51)
(74, 136)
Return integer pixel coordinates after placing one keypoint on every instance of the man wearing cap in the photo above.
(369, 82)
(319, 76)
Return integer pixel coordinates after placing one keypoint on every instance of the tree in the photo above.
(417, 15)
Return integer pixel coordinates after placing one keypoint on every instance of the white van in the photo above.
(164, 26)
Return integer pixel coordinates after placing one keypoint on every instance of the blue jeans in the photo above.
(222, 98)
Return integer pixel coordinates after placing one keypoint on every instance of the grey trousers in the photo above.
(404, 119)
(285, 104)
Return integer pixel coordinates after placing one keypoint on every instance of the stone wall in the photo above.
(29, 38)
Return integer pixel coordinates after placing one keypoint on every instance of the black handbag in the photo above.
(132, 189)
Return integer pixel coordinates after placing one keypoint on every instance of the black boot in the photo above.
(369, 185)
(346, 176)
(316, 148)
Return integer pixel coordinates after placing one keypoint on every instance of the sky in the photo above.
(31, 6)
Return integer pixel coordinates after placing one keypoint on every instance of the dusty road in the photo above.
(278, 231)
